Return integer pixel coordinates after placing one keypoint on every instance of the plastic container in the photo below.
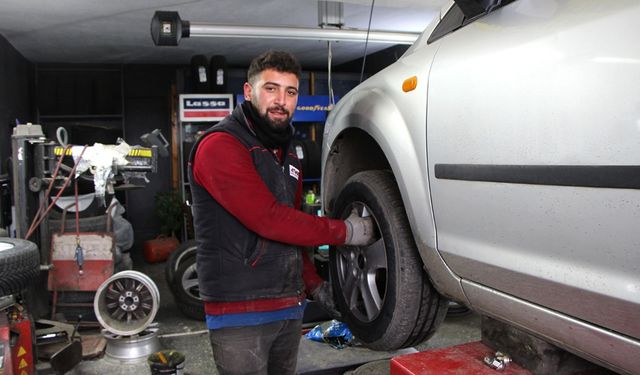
(158, 249)
(166, 362)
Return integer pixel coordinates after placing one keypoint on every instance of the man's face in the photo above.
(275, 95)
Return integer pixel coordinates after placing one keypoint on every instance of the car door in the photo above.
(533, 138)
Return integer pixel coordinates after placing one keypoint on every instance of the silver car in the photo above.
(500, 159)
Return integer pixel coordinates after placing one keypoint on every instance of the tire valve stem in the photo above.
(79, 257)
(498, 362)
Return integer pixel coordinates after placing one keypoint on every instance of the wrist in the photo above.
(348, 231)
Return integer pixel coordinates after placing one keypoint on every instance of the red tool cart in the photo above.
(81, 261)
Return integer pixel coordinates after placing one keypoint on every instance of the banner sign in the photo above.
(309, 109)
(205, 107)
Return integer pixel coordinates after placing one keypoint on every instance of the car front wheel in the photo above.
(382, 290)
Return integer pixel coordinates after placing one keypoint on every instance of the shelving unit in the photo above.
(87, 101)
(196, 114)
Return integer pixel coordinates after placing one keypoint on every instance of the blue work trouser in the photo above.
(266, 349)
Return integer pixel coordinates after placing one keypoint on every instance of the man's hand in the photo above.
(323, 295)
(360, 230)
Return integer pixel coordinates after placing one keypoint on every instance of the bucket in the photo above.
(158, 249)
(166, 362)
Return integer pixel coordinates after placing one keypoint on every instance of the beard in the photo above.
(271, 133)
(275, 124)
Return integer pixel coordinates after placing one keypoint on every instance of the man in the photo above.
(246, 186)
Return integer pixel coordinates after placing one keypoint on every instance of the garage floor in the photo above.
(190, 337)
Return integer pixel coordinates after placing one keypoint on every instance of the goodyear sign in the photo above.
(205, 107)
(309, 109)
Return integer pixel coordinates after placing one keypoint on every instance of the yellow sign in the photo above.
(23, 364)
(21, 352)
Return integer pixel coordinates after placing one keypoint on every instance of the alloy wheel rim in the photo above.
(190, 282)
(362, 273)
(127, 303)
(128, 299)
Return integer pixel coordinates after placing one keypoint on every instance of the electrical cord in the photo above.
(366, 41)
(54, 175)
(83, 177)
(62, 136)
(332, 101)
(35, 223)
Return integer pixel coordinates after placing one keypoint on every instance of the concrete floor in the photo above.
(190, 337)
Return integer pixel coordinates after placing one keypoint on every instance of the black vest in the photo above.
(234, 263)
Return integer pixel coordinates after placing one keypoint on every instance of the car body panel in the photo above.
(374, 107)
(527, 239)
(537, 83)
(599, 345)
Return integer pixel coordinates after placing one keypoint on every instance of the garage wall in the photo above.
(16, 74)
(146, 105)
(147, 90)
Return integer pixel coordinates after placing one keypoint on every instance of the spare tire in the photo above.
(182, 277)
(184, 251)
(19, 265)
(382, 290)
(186, 291)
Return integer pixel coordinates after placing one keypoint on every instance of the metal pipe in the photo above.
(197, 29)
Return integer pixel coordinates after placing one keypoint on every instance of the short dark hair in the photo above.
(281, 61)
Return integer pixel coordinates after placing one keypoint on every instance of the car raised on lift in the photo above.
(499, 158)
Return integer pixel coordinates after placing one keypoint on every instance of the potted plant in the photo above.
(169, 209)
(170, 212)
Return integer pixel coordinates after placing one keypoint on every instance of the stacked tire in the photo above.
(19, 265)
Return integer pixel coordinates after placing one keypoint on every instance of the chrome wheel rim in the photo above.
(126, 303)
(132, 348)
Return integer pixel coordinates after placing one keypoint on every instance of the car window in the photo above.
(450, 22)
(455, 19)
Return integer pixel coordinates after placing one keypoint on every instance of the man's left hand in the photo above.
(323, 295)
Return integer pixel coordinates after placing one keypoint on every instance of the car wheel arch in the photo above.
(367, 147)
(360, 143)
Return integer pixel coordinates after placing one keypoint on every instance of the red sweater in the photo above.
(224, 167)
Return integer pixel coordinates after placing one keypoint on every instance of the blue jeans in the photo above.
(270, 348)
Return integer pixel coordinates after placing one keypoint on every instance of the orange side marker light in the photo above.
(410, 84)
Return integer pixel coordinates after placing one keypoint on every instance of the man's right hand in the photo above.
(360, 230)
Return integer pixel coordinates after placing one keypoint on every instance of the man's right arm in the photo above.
(224, 167)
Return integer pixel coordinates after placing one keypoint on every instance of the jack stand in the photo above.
(534, 354)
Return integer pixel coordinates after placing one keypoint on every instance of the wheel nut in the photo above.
(498, 362)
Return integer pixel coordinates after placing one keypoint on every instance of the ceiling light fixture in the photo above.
(167, 29)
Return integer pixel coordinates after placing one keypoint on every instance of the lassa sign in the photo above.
(205, 107)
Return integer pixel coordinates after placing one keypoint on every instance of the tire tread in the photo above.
(19, 266)
(419, 309)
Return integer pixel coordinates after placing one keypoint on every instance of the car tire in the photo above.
(19, 265)
(181, 253)
(185, 289)
(384, 294)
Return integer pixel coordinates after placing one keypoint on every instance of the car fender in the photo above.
(372, 111)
